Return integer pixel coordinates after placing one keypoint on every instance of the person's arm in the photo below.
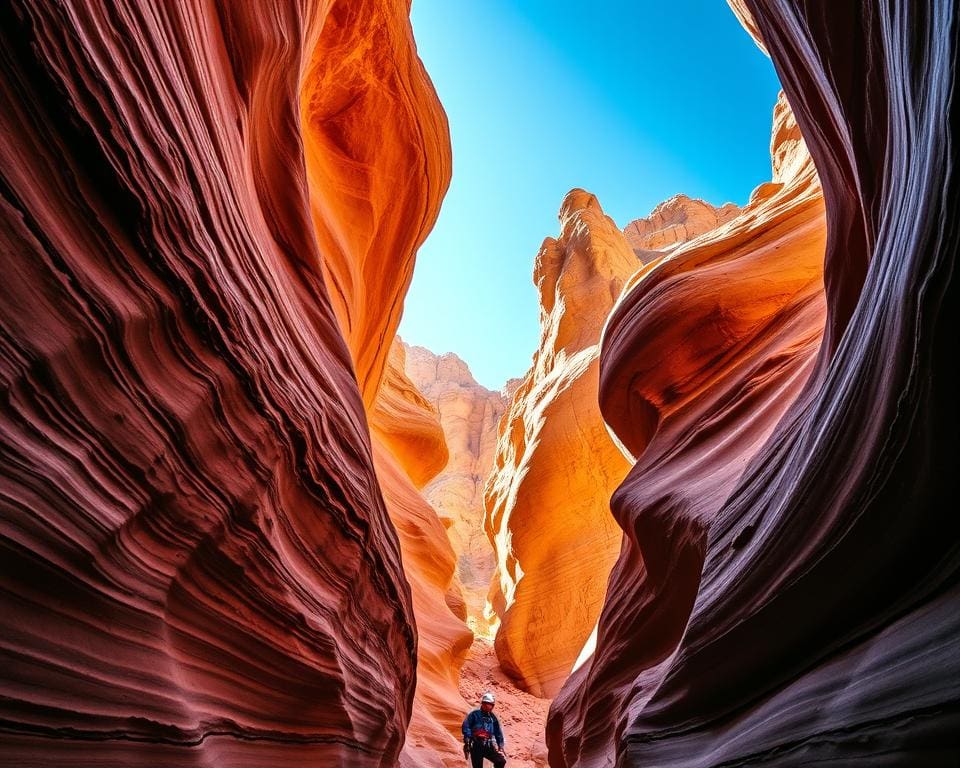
(467, 729)
(498, 732)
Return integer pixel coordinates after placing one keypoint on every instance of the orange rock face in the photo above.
(407, 437)
(701, 358)
(547, 496)
(369, 224)
(407, 423)
(469, 414)
(371, 124)
(196, 562)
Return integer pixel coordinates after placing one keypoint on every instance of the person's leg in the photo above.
(494, 757)
(476, 755)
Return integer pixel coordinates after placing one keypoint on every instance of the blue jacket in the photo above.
(479, 719)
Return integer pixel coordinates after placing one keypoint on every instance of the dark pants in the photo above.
(481, 750)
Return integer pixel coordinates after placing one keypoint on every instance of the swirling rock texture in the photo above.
(196, 563)
(369, 225)
(378, 158)
(701, 357)
(407, 437)
(469, 414)
(788, 592)
(548, 493)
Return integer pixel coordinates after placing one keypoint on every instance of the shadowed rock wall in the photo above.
(196, 564)
(788, 594)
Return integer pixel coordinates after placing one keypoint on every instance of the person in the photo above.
(483, 736)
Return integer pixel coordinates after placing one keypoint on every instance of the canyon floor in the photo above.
(521, 715)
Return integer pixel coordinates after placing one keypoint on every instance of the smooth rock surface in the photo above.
(701, 357)
(378, 160)
(547, 497)
(398, 424)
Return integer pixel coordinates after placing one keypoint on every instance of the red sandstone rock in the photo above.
(407, 423)
(398, 424)
(196, 564)
(377, 153)
(700, 359)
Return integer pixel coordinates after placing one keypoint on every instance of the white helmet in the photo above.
(487, 697)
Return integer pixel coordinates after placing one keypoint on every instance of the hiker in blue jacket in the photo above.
(482, 735)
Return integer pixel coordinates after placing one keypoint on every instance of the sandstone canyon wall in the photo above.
(365, 129)
(378, 160)
(469, 414)
(548, 492)
(788, 590)
(407, 438)
(197, 565)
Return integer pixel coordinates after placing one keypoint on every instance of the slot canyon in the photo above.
(243, 523)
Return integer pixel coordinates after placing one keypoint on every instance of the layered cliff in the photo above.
(788, 588)
(548, 492)
(407, 438)
(673, 222)
(469, 414)
(196, 563)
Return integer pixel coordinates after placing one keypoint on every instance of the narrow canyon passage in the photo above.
(243, 524)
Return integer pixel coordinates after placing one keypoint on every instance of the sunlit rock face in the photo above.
(378, 163)
(469, 414)
(400, 423)
(370, 121)
(788, 589)
(407, 423)
(674, 222)
(196, 563)
(547, 498)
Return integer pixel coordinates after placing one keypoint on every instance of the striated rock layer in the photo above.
(407, 437)
(196, 564)
(469, 414)
(366, 133)
(788, 591)
(701, 357)
(548, 493)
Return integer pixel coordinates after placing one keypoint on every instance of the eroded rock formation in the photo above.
(407, 437)
(673, 222)
(196, 563)
(788, 589)
(548, 493)
(377, 151)
(470, 415)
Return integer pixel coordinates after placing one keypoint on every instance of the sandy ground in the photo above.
(521, 715)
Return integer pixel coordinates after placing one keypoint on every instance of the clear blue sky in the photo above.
(633, 100)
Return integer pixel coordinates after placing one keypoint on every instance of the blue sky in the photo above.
(634, 101)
